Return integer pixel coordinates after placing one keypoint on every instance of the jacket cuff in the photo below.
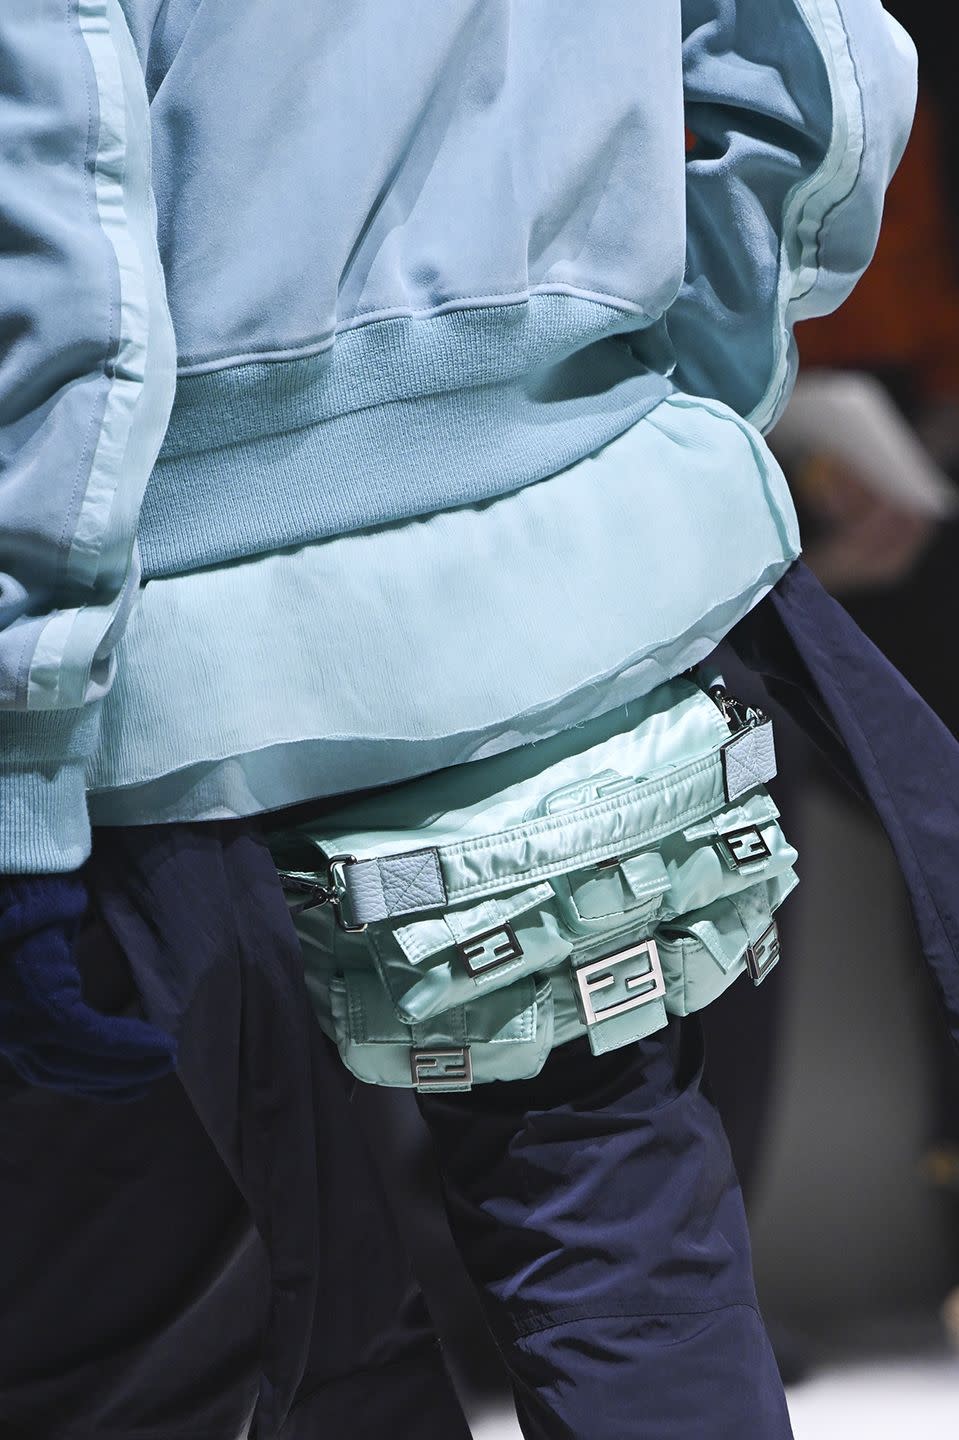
(44, 761)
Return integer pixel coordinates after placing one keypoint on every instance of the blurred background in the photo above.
(835, 1080)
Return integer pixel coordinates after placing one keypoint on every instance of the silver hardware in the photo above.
(318, 894)
(600, 975)
(441, 1068)
(337, 864)
(763, 954)
(737, 714)
(313, 892)
(746, 846)
(478, 954)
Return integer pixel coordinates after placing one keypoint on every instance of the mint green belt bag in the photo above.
(457, 927)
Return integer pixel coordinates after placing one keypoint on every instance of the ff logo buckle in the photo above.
(746, 846)
(644, 975)
(479, 955)
(445, 1069)
(763, 955)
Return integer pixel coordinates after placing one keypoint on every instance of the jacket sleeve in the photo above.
(799, 111)
(87, 371)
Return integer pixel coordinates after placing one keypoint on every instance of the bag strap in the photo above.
(385, 887)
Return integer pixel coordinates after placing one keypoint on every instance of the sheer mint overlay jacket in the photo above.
(382, 382)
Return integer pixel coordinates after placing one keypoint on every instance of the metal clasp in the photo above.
(318, 894)
(442, 1068)
(337, 864)
(601, 975)
(764, 954)
(315, 894)
(737, 714)
(479, 955)
(746, 846)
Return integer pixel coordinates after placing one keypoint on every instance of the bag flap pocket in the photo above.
(746, 837)
(505, 1036)
(424, 938)
(615, 890)
(728, 928)
(725, 855)
(520, 936)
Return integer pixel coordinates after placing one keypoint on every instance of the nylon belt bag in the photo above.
(457, 927)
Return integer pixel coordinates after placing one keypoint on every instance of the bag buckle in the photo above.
(442, 1069)
(317, 894)
(478, 954)
(746, 846)
(600, 975)
(763, 954)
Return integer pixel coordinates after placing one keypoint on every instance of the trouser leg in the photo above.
(149, 1251)
(375, 1368)
(133, 1286)
(597, 1211)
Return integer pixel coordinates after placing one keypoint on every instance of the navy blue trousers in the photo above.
(225, 1246)
(600, 1217)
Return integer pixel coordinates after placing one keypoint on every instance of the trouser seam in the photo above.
(523, 1331)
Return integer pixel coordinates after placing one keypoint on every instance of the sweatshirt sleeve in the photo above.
(799, 111)
(87, 372)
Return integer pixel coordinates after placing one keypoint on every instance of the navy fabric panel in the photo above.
(199, 914)
(134, 1286)
(881, 736)
(200, 917)
(410, 1395)
(140, 1297)
(598, 1213)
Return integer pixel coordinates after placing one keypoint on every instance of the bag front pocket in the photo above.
(725, 854)
(432, 965)
(705, 951)
(505, 1036)
(616, 895)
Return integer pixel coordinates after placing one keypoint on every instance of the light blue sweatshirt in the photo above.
(426, 279)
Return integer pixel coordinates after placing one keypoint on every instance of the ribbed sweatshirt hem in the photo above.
(44, 823)
(400, 418)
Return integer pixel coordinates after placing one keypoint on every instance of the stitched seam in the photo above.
(596, 810)
(525, 1332)
(609, 848)
(507, 908)
(816, 247)
(404, 895)
(362, 318)
(825, 174)
(417, 951)
(371, 868)
(72, 11)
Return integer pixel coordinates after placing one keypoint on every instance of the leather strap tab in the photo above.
(392, 885)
